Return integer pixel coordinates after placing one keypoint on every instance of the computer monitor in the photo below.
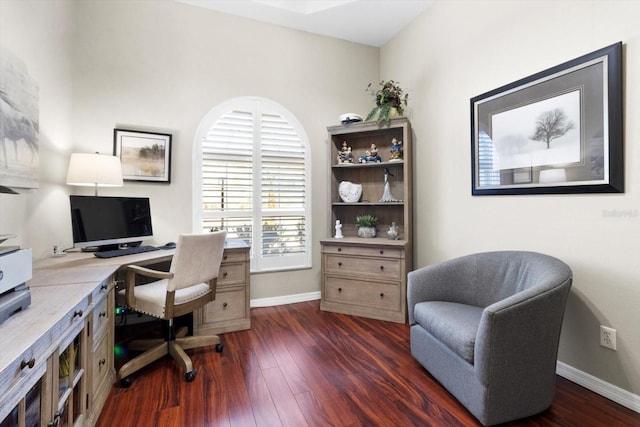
(104, 223)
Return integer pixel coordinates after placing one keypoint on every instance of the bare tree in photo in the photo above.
(551, 125)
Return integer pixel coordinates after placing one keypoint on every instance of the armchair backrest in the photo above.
(197, 259)
(499, 275)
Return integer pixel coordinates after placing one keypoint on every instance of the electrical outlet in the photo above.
(608, 337)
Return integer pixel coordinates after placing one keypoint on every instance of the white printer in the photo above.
(15, 271)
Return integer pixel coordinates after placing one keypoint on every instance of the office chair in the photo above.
(189, 284)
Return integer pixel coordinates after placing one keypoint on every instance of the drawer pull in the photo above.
(225, 305)
(102, 361)
(382, 268)
(381, 251)
(339, 264)
(224, 257)
(28, 363)
(339, 289)
(225, 274)
(77, 313)
(104, 287)
(339, 249)
(102, 314)
(381, 295)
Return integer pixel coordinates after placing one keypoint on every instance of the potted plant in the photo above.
(390, 101)
(366, 225)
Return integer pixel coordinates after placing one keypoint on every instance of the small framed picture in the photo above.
(145, 156)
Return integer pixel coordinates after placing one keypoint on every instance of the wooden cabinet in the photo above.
(47, 373)
(101, 371)
(230, 311)
(367, 276)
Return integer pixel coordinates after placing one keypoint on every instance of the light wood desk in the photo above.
(72, 314)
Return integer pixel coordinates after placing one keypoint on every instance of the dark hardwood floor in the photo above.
(298, 366)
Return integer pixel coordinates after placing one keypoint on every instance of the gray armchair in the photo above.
(487, 327)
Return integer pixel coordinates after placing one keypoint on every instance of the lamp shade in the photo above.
(96, 170)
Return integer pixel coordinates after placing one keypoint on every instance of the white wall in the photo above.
(39, 34)
(162, 65)
(459, 49)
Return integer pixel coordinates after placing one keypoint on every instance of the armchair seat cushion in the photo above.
(436, 317)
(150, 298)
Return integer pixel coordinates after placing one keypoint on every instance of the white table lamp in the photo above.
(94, 170)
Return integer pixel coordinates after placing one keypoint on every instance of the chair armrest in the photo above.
(130, 280)
(520, 334)
(444, 281)
(148, 272)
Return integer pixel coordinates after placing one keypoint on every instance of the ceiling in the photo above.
(370, 22)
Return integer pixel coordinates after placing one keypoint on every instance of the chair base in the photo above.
(154, 349)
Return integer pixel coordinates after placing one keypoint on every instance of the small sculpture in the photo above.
(396, 150)
(393, 233)
(338, 230)
(345, 156)
(370, 156)
(386, 195)
(349, 192)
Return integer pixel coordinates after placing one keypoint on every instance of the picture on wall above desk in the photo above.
(19, 124)
(555, 132)
(145, 156)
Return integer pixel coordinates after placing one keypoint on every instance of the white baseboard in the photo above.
(603, 388)
(286, 299)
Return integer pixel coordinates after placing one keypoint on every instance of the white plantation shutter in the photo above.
(255, 181)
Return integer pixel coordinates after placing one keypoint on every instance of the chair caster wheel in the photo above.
(190, 376)
(126, 382)
(219, 347)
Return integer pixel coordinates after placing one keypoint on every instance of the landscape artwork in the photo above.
(19, 124)
(145, 156)
(558, 131)
(543, 133)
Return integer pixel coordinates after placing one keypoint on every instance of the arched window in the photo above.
(253, 178)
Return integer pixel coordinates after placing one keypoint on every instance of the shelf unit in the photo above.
(367, 276)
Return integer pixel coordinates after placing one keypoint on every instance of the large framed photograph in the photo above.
(145, 156)
(555, 132)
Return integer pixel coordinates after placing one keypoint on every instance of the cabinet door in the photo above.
(29, 409)
(70, 362)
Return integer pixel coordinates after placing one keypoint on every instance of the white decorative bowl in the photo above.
(349, 192)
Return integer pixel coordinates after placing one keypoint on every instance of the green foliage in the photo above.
(388, 97)
(366, 220)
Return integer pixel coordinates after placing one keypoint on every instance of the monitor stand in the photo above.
(101, 248)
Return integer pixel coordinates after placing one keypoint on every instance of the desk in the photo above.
(72, 309)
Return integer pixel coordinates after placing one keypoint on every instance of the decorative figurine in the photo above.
(370, 156)
(386, 195)
(338, 230)
(345, 156)
(393, 233)
(396, 150)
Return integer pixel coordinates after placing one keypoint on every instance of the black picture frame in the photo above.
(558, 131)
(145, 156)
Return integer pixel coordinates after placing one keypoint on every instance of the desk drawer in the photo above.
(101, 361)
(371, 295)
(231, 255)
(364, 250)
(31, 362)
(229, 305)
(72, 321)
(24, 380)
(101, 318)
(102, 291)
(382, 268)
(231, 274)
